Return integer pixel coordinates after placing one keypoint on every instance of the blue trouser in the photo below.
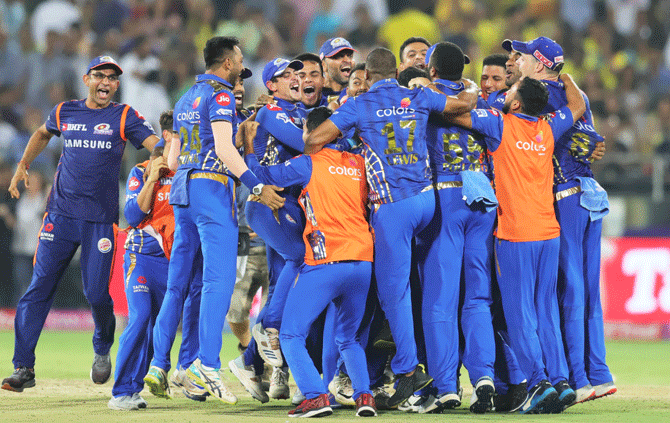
(506, 368)
(145, 282)
(285, 237)
(60, 236)
(458, 238)
(346, 284)
(395, 224)
(282, 233)
(208, 225)
(579, 293)
(527, 274)
(179, 300)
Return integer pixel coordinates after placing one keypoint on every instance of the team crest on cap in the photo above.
(279, 61)
(558, 59)
(104, 245)
(107, 59)
(339, 41)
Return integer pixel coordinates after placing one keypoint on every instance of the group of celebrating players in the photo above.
(412, 221)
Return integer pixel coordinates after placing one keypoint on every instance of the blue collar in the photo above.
(387, 81)
(526, 117)
(452, 85)
(205, 76)
(286, 105)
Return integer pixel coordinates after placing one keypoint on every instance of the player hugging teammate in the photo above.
(467, 219)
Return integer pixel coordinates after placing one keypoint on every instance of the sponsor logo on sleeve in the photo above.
(139, 115)
(273, 107)
(104, 245)
(481, 112)
(134, 183)
(494, 112)
(223, 99)
(102, 129)
(224, 112)
(284, 117)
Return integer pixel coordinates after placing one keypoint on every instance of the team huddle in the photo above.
(412, 222)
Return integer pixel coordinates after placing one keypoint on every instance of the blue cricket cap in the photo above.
(431, 49)
(278, 66)
(544, 49)
(333, 46)
(102, 61)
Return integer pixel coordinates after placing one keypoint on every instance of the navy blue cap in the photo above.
(333, 46)
(544, 49)
(104, 60)
(278, 66)
(246, 73)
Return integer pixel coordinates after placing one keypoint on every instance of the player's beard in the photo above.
(505, 108)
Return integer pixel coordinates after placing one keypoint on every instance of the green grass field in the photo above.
(64, 391)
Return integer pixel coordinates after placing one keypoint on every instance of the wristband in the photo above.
(26, 164)
(249, 179)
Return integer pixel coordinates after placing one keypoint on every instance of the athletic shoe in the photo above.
(137, 399)
(157, 382)
(122, 403)
(22, 378)
(583, 394)
(268, 344)
(333, 402)
(279, 383)
(384, 339)
(482, 396)
(342, 389)
(266, 377)
(249, 379)
(566, 397)
(194, 391)
(412, 404)
(101, 369)
(540, 399)
(407, 385)
(315, 407)
(297, 397)
(436, 404)
(381, 396)
(209, 378)
(512, 400)
(602, 390)
(178, 376)
(365, 406)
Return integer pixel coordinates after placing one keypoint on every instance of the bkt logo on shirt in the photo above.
(394, 111)
(102, 129)
(79, 127)
(344, 170)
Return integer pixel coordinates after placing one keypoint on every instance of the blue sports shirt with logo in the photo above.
(86, 184)
(392, 123)
(209, 100)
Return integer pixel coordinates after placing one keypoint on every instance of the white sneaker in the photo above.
(267, 341)
(137, 399)
(585, 393)
(279, 383)
(122, 403)
(482, 396)
(177, 377)
(412, 404)
(193, 391)
(209, 378)
(434, 404)
(298, 397)
(248, 378)
(605, 389)
(342, 389)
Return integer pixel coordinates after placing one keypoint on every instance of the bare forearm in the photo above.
(36, 144)
(576, 102)
(144, 197)
(173, 154)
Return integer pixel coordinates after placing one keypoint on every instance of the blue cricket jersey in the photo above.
(86, 184)
(392, 123)
(573, 149)
(209, 100)
(496, 100)
(279, 134)
(451, 148)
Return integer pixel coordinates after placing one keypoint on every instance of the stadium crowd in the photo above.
(613, 49)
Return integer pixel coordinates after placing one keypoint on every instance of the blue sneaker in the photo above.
(566, 397)
(333, 402)
(540, 398)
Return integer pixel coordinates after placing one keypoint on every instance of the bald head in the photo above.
(380, 64)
